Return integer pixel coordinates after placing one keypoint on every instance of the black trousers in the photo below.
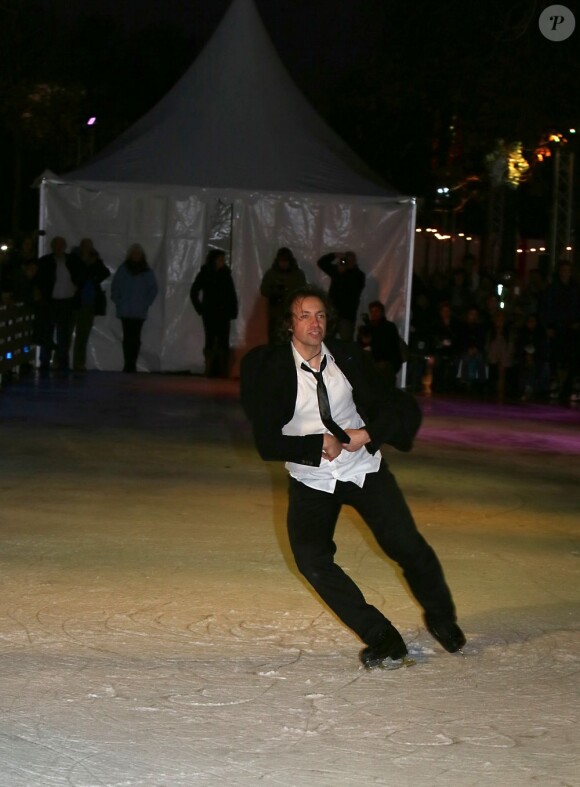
(131, 342)
(216, 349)
(56, 315)
(217, 334)
(312, 517)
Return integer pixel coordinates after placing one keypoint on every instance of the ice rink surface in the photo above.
(154, 632)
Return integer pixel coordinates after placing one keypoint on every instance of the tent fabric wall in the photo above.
(173, 225)
(233, 131)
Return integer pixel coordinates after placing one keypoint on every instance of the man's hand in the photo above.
(358, 438)
(331, 447)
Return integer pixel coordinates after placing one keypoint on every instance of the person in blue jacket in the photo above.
(133, 290)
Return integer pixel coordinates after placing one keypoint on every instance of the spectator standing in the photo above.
(499, 355)
(133, 290)
(419, 335)
(57, 281)
(531, 357)
(8, 265)
(471, 350)
(437, 291)
(279, 280)
(460, 295)
(91, 300)
(531, 296)
(484, 292)
(213, 296)
(445, 349)
(381, 338)
(25, 266)
(24, 263)
(347, 282)
(560, 313)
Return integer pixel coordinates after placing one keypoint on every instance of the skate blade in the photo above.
(392, 664)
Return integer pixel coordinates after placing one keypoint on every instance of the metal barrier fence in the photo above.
(16, 337)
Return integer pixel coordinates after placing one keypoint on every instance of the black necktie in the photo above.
(324, 404)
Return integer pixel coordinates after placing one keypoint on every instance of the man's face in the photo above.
(86, 246)
(308, 324)
(375, 314)
(59, 246)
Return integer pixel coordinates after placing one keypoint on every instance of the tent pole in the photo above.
(42, 246)
(410, 259)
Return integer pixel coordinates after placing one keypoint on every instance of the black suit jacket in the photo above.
(46, 277)
(268, 391)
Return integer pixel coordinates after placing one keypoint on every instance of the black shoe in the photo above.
(447, 633)
(386, 649)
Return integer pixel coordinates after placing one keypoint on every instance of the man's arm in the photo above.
(266, 401)
(358, 438)
(194, 292)
(273, 446)
(326, 264)
(391, 416)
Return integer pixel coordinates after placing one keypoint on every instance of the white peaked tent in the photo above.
(232, 157)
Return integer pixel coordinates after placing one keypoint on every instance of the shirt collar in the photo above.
(299, 360)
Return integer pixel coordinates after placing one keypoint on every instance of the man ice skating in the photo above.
(319, 406)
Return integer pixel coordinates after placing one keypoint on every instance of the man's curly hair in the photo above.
(284, 332)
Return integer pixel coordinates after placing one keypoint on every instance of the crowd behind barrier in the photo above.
(471, 330)
(496, 334)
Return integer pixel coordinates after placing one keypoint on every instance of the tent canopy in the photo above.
(235, 120)
(232, 157)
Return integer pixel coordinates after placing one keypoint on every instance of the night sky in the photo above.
(390, 77)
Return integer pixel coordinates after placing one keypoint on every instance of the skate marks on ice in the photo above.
(153, 697)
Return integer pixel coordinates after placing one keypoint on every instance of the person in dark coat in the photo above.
(381, 338)
(445, 349)
(531, 356)
(213, 296)
(318, 405)
(91, 299)
(281, 278)
(560, 314)
(347, 282)
(57, 282)
(471, 343)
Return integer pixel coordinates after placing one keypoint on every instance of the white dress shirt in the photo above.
(63, 286)
(349, 465)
